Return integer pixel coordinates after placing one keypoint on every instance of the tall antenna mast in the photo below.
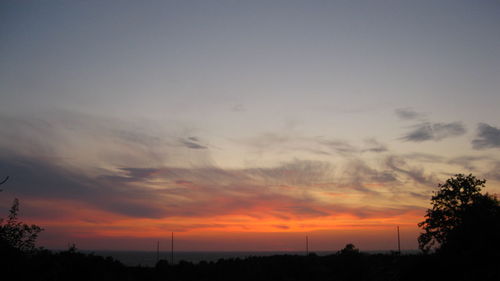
(307, 245)
(399, 242)
(157, 251)
(172, 252)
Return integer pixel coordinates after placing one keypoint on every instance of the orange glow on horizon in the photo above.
(83, 222)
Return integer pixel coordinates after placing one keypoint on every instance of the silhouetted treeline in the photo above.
(72, 265)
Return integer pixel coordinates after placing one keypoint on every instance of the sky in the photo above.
(243, 125)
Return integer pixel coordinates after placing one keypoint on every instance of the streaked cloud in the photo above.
(408, 113)
(339, 146)
(434, 131)
(48, 179)
(162, 185)
(424, 157)
(268, 140)
(359, 175)
(494, 172)
(372, 145)
(193, 143)
(284, 192)
(148, 182)
(417, 174)
(487, 137)
(468, 162)
(344, 147)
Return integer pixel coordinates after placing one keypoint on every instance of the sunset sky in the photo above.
(243, 125)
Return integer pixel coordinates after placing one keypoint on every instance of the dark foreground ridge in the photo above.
(74, 265)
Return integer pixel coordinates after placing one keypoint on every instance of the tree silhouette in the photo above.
(461, 220)
(17, 235)
(349, 250)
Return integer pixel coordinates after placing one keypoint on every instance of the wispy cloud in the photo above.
(132, 175)
(343, 147)
(434, 131)
(293, 173)
(372, 145)
(288, 190)
(193, 143)
(358, 174)
(408, 113)
(424, 157)
(487, 137)
(339, 146)
(494, 172)
(268, 140)
(468, 162)
(129, 173)
(417, 174)
(46, 178)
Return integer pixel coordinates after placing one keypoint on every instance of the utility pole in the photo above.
(172, 252)
(157, 251)
(307, 245)
(399, 243)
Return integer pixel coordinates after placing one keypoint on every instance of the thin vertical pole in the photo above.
(399, 242)
(307, 245)
(157, 251)
(172, 252)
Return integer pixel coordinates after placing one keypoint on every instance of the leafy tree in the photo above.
(461, 220)
(349, 250)
(15, 234)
